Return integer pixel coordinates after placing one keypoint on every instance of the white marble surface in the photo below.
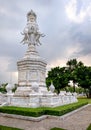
(32, 90)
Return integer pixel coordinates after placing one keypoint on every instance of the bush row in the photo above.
(35, 112)
(61, 111)
(22, 111)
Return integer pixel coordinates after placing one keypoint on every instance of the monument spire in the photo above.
(31, 31)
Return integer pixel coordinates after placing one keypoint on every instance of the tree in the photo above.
(59, 77)
(75, 71)
(3, 87)
(84, 78)
(72, 65)
(52, 74)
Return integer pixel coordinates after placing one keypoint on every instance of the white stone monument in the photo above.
(32, 90)
(32, 67)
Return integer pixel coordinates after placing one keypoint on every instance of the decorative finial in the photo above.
(31, 31)
(31, 14)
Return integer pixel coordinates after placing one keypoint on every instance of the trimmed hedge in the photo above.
(59, 111)
(36, 112)
(8, 128)
(22, 111)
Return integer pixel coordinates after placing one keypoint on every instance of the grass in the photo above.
(85, 99)
(8, 128)
(89, 127)
(36, 112)
(55, 128)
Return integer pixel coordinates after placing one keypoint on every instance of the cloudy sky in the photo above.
(66, 24)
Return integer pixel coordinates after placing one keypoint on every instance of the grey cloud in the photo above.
(53, 22)
(81, 34)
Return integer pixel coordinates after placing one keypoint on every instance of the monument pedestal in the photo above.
(31, 68)
(34, 100)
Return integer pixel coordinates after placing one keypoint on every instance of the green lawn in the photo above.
(89, 127)
(85, 99)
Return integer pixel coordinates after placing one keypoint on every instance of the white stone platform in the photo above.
(37, 100)
(32, 90)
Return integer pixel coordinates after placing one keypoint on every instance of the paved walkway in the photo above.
(79, 120)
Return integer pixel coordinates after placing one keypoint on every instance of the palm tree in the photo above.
(72, 65)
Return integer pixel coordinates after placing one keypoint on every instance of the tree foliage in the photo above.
(72, 65)
(3, 88)
(84, 78)
(59, 77)
(75, 71)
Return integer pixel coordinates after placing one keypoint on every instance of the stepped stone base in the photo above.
(31, 68)
(35, 100)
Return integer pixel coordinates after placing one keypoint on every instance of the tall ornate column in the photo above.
(31, 68)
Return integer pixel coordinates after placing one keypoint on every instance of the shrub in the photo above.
(61, 110)
(22, 111)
